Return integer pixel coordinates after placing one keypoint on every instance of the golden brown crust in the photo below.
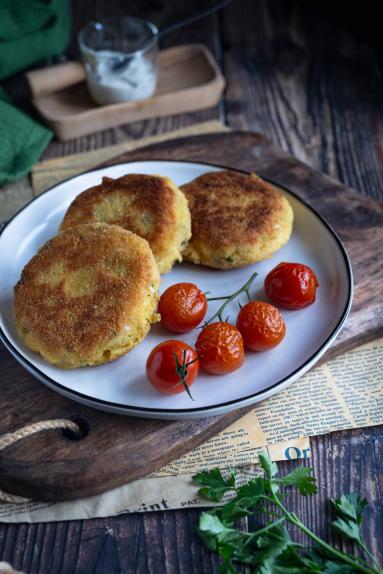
(237, 219)
(148, 205)
(228, 200)
(81, 290)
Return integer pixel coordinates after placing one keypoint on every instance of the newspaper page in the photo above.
(143, 495)
(238, 445)
(346, 392)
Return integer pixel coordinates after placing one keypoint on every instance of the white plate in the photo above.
(121, 386)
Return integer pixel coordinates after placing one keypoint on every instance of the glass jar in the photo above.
(120, 56)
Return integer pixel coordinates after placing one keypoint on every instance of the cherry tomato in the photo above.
(172, 367)
(291, 285)
(261, 325)
(182, 307)
(220, 348)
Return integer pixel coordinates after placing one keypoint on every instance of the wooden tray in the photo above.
(189, 79)
(117, 449)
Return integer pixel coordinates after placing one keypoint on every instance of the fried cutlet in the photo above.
(237, 219)
(149, 205)
(88, 296)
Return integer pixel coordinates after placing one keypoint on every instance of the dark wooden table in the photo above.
(315, 88)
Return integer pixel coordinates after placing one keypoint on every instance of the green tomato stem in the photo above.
(228, 298)
(182, 371)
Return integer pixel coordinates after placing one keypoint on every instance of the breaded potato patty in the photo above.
(149, 205)
(237, 219)
(88, 296)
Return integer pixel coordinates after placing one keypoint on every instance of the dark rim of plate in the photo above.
(239, 402)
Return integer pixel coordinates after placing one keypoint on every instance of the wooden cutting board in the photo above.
(117, 449)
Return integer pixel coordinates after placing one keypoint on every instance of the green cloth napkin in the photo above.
(31, 30)
(22, 141)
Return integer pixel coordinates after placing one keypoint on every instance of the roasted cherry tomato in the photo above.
(172, 367)
(220, 348)
(261, 326)
(182, 307)
(291, 285)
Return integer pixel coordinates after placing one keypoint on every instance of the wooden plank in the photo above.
(61, 469)
(167, 541)
(13, 197)
(291, 74)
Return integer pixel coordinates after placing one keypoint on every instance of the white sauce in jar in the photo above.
(116, 77)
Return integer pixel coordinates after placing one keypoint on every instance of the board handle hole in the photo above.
(84, 429)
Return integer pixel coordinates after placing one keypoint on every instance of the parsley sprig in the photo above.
(270, 549)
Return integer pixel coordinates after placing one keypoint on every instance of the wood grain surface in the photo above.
(315, 89)
(59, 469)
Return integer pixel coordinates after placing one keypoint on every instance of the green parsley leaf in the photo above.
(347, 528)
(216, 536)
(289, 570)
(350, 506)
(227, 568)
(213, 525)
(301, 479)
(248, 496)
(272, 545)
(254, 488)
(349, 509)
(336, 568)
(215, 486)
(236, 509)
(270, 468)
(270, 550)
(293, 562)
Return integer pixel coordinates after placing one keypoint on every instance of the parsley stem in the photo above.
(268, 526)
(228, 298)
(291, 517)
(371, 556)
